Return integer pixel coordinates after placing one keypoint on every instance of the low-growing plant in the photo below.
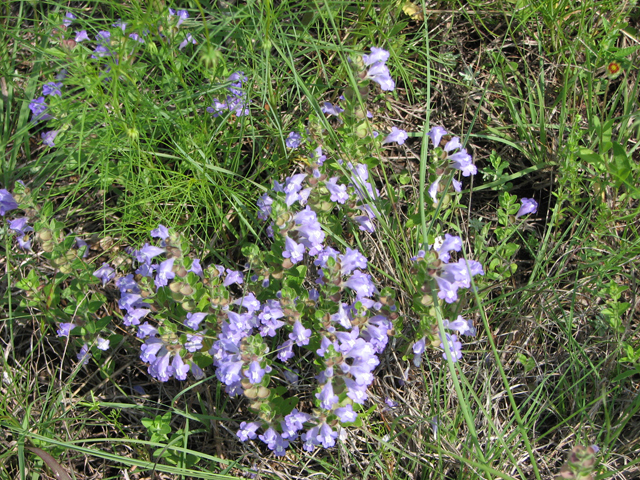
(300, 315)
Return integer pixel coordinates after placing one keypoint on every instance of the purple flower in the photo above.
(293, 423)
(160, 232)
(49, 137)
(233, 277)
(80, 243)
(433, 190)
(51, 88)
(248, 431)
(461, 325)
(249, 301)
(326, 436)
(105, 273)
(418, 350)
(64, 330)
(127, 284)
(436, 134)
(435, 424)
(182, 16)
(318, 157)
(293, 140)
(193, 320)
(453, 276)
(300, 335)
(7, 203)
(102, 344)
(134, 315)
(159, 367)
(356, 391)
(528, 205)
(180, 369)
(150, 348)
(346, 414)
(310, 232)
(24, 243)
(197, 372)
(390, 403)
(146, 253)
(455, 347)
(120, 24)
(129, 301)
(70, 17)
(291, 377)
(38, 109)
(377, 55)
(396, 135)
(264, 204)
(103, 37)
(450, 243)
(165, 273)
(136, 37)
(326, 396)
(193, 343)
(309, 439)
(196, 268)
(342, 317)
(81, 36)
(274, 442)
(462, 161)
(285, 351)
(269, 316)
(145, 330)
(331, 109)
(189, 39)
(379, 73)
(100, 51)
(19, 225)
(84, 355)
(338, 192)
(361, 284)
(452, 144)
(293, 250)
(351, 260)
(255, 372)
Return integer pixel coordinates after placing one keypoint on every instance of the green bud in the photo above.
(211, 57)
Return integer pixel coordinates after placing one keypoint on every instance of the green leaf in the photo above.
(620, 167)
(30, 283)
(591, 157)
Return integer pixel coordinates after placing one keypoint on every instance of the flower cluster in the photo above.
(236, 101)
(378, 70)
(112, 47)
(301, 313)
(450, 155)
(303, 297)
(342, 319)
(435, 269)
(18, 225)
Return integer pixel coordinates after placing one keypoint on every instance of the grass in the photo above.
(525, 85)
